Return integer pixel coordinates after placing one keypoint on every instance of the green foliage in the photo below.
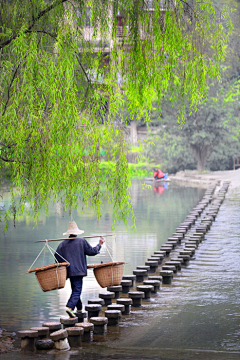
(55, 81)
(136, 171)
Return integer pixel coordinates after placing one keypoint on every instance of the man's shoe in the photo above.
(79, 311)
(70, 313)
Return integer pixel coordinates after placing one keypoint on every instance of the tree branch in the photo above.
(35, 19)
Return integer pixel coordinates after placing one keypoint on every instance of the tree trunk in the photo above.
(201, 154)
(134, 133)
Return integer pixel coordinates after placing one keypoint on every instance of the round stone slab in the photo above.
(116, 307)
(113, 314)
(68, 321)
(87, 326)
(160, 252)
(126, 283)
(143, 267)
(166, 273)
(107, 295)
(140, 272)
(59, 335)
(100, 320)
(52, 325)
(152, 282)
(136, 294)
(27, 333)
(124, 301)
(93, 307)
(42, 331)
(114, 288)
(159, 278)
(96, 301)
(129, 277)
(75, 331)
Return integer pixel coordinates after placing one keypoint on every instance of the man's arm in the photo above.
(91, 251)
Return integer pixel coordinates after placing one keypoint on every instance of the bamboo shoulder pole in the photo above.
(85, 237)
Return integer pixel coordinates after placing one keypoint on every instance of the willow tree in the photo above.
(67, 70)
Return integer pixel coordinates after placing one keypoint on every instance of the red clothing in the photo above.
(158, 174)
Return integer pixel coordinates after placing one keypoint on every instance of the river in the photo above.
(200, 310)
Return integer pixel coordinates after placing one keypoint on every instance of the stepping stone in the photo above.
(43, 332)
(60, 339)
(184, 252)
(107, 297)
(75, 336)
(116, 307)
(68, 322)
(177, 259)
(81, 316)
(126, 284)
(127, 304)
(44, 344)
(175, 263)
(113, 317)
(160, 252)
(158, 257)
(167, 276)
(168, 249)
(155, 277)
(179, 235)
(93, 310)
(140, 274)
(143, 267)
(53, 326)
(190, 248)
(96, 301)
(136, 297)
(88, 331)
(147, 289)
(116, 289)
(185, 259)
(130, 277)
(191, 243)
(153, 265)
(170, 267)
(155, 283)
(100, 324)
(173, 243)
(28, 339)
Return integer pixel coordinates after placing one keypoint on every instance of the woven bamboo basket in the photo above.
(108, 274)
(51, 277)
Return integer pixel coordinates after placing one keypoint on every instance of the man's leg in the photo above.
(74, 300)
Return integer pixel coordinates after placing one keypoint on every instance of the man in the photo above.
(158, 174)
(74, 251)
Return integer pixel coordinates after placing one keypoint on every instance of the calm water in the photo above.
(200, 310)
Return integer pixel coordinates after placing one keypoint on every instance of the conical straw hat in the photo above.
(73, 229)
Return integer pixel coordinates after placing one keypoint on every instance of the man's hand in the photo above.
(101, 241)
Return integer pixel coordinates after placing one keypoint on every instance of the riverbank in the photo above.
(192, 177)
(7, 340)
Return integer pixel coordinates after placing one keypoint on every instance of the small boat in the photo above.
(157, 180)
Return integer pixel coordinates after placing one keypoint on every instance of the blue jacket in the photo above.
(75, 251)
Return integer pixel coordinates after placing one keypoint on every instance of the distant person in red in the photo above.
(158, 174)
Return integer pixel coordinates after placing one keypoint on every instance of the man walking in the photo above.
(74, 250)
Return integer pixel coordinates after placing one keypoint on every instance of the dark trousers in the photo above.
(74, 300)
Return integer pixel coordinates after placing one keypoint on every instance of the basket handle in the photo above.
(51, 251)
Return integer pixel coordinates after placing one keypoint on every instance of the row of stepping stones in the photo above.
(71, 332)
